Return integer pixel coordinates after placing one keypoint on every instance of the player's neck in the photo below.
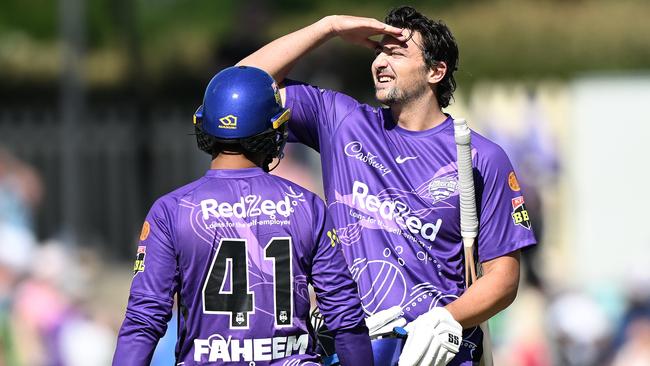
(418, 115)
(225, 161)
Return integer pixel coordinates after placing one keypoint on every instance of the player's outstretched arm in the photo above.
(278, 57)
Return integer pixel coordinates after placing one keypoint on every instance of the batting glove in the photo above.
(383, 322)
(433, 339)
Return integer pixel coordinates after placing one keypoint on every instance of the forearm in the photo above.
(490, 294)
(135, 344)
(144, 324)
(278, 57)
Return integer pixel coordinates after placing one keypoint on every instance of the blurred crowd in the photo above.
(554, 321)
(46, 316)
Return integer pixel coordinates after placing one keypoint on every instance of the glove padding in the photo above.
(383, 322)
(433, 339)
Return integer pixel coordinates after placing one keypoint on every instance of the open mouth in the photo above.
(384, 78)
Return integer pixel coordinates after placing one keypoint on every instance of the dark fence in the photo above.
(123, 165)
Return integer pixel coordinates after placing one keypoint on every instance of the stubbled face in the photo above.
(399, 71)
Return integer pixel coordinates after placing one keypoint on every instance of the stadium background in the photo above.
(96, 99)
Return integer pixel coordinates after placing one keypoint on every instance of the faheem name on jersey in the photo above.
(251, 349)
(393, 210)
(249, 206)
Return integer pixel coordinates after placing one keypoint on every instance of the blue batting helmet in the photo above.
(242, 113)
(240, 102)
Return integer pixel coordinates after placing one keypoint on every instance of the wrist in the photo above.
(451, 309)
(326, 26)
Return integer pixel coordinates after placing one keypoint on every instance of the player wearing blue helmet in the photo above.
(238, 247)
(242, 114)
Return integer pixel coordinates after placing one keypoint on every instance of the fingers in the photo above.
(416, 344)
(388, 328)
(448, 357)
(433, 354)
(383, 28)
(408, 356)
(433, 339)
(383, 317)
(400, 34)
(450, 336)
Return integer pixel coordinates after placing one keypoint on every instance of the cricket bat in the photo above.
(469, 218)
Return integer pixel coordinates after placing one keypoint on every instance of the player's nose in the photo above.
(380, 62)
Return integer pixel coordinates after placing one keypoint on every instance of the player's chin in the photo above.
(381, 95)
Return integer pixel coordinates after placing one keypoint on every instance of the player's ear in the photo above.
(437, 72)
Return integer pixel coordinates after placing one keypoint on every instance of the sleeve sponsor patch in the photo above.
(146, 228)
(334, 238)
(513, 182)
(519, 213)
(138, 266)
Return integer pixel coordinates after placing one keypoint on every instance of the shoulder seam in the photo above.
(357, 106)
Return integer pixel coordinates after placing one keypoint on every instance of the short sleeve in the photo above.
(504, 222)
(315, 112)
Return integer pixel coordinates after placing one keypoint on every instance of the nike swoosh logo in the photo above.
(400, 160)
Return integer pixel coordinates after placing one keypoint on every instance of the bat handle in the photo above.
(470, 269)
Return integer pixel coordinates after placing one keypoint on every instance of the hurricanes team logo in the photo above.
(442, 188)
(229, 122)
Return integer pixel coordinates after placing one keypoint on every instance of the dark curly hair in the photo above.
(438, 45)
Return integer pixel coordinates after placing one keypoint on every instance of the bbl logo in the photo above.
(519, 213)
(138, 266)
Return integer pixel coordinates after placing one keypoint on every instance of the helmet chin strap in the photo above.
(270, 160)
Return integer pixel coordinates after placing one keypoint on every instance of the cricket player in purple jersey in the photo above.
(238, 248)
(390, 178)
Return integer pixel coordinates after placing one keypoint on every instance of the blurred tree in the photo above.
(182, 41)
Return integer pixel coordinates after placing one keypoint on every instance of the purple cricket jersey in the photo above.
(393, 197)
(239, 248)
